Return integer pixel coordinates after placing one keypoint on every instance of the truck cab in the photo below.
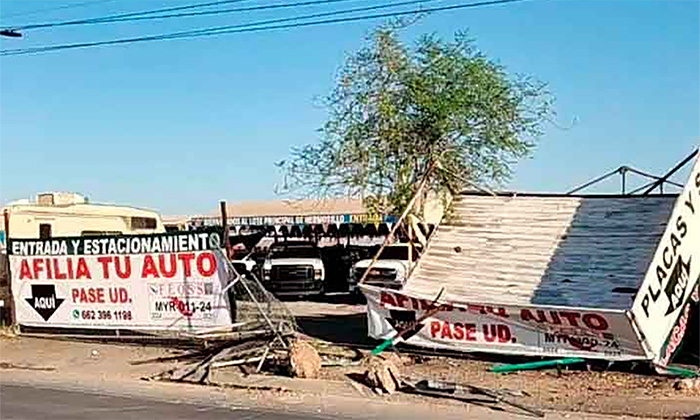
(391, 269)
(294, 268)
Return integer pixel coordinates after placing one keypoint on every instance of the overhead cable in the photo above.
(121, 15)
(266, 25)
(179, 15)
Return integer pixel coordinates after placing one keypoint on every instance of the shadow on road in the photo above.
(348, 329)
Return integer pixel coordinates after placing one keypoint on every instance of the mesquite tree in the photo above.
(436, 110)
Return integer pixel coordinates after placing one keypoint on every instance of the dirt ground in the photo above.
(611, 391)
(604, 389)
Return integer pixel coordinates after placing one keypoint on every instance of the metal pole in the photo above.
(594, 181)
(224, 223)
(671, 172)
(10, 297)
(623, 175)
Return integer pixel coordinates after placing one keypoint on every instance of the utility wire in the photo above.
(122, 15)
(215, 30)
(177, 15)
(266, 25)
(51, 9)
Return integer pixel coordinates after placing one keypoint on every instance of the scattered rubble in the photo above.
(382, 374)
(687, 384)
(304, 361)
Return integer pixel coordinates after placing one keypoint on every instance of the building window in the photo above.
(44, 231)
(143, 223)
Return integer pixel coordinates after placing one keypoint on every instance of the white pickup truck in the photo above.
(294, 268)
(391, 269)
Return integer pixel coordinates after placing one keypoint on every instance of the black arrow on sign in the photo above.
(44, 300)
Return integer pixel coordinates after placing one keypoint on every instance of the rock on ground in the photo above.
(304, 361)
(687, 384)
(383, 373)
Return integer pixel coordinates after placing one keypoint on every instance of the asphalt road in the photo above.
(19, 402)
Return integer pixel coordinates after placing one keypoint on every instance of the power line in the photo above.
(213, 30)
(123, 15)
(263, 26)
(177, 15)
(51, 9)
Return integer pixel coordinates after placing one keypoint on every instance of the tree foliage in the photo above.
(436, 110)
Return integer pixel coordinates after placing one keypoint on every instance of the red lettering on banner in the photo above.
(595, 322)
(571, 317)
(434, 328)
(149, 267)
(37, 266)
(591, 320)
(123, 272)
(504, 335)
(459, 331)
(82, 270)
(88, 295)
(415, 304)
(24, 271)
(187, 262)
(173, 266)
(49, 272)
(401, 300)
(118, 295)
(105, 265)
(490, 337)
(446, 331)
(492, 333)
(211, 262)
(470, 331)
(57, 270)
(385, 299)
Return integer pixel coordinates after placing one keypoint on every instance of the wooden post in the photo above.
(398, 222)
(10, 304)
(224, 223)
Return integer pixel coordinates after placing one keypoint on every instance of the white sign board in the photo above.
(147, 282)
(673, 275)
(532, 330)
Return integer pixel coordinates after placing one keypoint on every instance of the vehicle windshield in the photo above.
(397, 253)
(295, 251)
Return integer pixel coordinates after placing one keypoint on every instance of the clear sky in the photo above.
(178, 125)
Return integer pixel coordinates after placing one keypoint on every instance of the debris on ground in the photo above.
(304, 361)
(687, 384)
(382, 373)
(466, 392)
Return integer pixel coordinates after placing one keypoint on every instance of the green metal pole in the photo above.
(536, 365)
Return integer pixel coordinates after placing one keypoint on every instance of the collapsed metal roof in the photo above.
(584, 251)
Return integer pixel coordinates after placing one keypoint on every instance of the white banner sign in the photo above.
(673, 274)
(156, 282)
(534, 330)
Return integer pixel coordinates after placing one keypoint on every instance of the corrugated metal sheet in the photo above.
(543, 250)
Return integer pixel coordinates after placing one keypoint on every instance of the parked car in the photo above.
(294, 268)
(391, 269)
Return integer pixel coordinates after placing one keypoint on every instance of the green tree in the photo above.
(439, 111)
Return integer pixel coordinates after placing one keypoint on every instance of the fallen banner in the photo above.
(662, 304)
(526, 330)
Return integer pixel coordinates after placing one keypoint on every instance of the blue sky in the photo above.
(178, 125)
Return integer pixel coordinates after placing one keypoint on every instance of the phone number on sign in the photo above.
(102, 315)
